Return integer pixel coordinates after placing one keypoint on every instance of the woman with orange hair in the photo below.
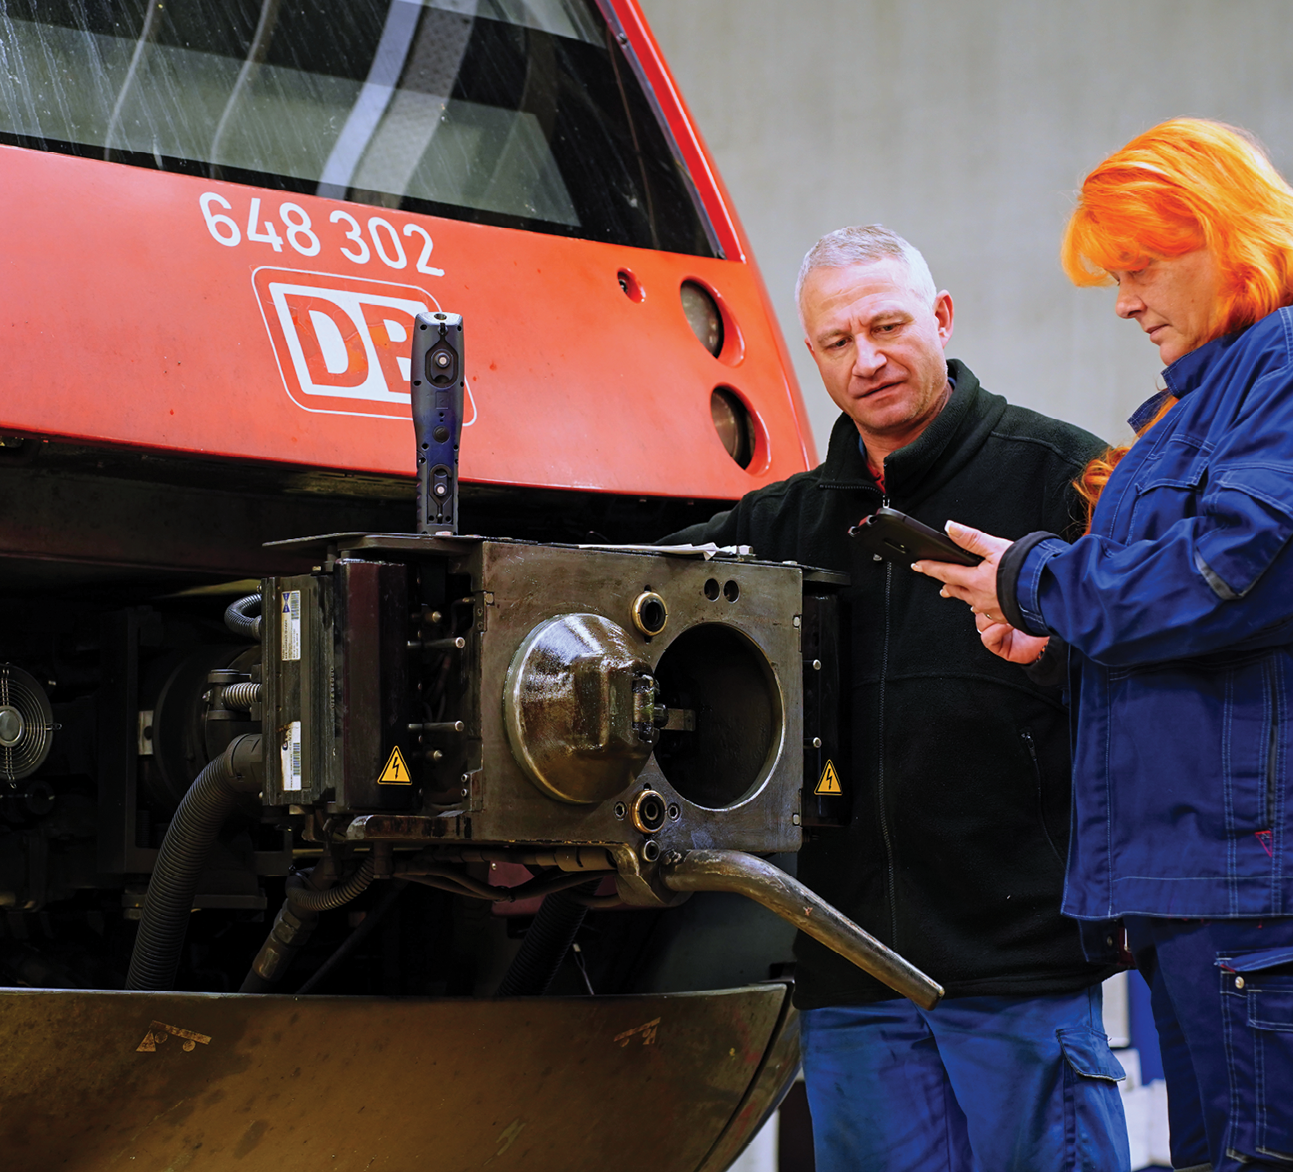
(1175, 614)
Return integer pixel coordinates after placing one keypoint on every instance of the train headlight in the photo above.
(733, 423)
(703, 316)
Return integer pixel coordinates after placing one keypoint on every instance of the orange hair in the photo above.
(1186, 184)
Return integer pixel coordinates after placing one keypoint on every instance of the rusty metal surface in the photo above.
(769, 1087)
(523, 586)
(164, 1082)
(730, 655)
(792, 901)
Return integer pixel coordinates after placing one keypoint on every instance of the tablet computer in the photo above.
(896, 537)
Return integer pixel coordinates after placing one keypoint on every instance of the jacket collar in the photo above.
(845, 466)
(1188, 372)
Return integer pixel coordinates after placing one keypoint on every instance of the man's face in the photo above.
(879, 346)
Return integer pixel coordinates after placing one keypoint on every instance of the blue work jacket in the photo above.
(1178, 609)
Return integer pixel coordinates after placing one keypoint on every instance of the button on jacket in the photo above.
(1179, 612)
(961, 777)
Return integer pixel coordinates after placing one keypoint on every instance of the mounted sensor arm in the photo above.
(437, 375)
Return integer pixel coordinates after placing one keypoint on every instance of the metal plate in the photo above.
(568, 706)
(94, 1081)
(525, 585)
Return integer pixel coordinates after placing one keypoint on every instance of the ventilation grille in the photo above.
(26, 724)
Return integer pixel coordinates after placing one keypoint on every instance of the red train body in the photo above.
(219, 222)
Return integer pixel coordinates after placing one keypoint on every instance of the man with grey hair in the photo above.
(960, 761)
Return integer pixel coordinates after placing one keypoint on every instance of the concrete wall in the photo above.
(967, 125)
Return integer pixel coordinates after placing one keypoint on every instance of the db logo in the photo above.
(343, 343)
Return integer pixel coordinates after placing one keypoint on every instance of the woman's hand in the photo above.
(976, 585)
(1012, 645)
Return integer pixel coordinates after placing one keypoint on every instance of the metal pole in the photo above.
(780, 893)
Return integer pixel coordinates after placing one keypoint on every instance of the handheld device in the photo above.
(896, 537)
(437, 374)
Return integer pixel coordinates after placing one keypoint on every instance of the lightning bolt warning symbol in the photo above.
(396, 771)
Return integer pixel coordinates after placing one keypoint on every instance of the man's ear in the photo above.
(943, 314)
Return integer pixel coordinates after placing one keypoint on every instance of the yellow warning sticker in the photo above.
(830, 782)
(159, 1031)
(396, 771)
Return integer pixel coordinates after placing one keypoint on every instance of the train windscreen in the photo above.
(517, 113)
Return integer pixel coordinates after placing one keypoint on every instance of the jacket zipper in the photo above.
(1027, 738)
(1272, 746)
(880, 794)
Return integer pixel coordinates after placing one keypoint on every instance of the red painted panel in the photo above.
(268, 326)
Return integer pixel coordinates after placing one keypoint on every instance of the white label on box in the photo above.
(291, 639)
(292, 756)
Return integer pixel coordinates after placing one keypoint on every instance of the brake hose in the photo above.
(188, 841)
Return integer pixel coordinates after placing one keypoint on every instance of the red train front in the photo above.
(221, 222)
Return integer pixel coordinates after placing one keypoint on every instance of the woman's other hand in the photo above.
(976, 585)
(1012, 645)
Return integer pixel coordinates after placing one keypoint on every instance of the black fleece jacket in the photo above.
(955, 854)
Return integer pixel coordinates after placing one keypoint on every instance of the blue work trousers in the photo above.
(978, 1084)
(1222, 994)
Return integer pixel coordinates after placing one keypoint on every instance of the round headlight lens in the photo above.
(734, 426)
(703, 316)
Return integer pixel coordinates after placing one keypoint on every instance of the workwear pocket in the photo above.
(1249, 524)
(1257, 1016)
(1168, 489)
(1092, 1106)
(1034, 760)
